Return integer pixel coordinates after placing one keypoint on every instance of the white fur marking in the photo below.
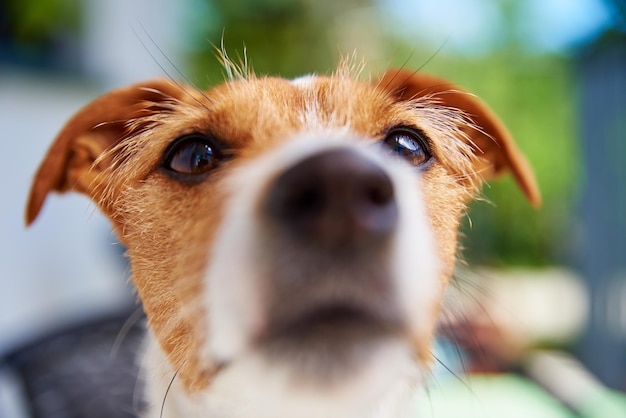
(305, 81)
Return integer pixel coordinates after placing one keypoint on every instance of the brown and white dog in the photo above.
(290, 240)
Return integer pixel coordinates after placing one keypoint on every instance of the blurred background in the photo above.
(555, 71)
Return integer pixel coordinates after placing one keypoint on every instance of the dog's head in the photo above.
(308, 225)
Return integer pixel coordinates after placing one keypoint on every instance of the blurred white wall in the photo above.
(66, 268)
(124, 39)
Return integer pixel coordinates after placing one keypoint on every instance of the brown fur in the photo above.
(111, 150)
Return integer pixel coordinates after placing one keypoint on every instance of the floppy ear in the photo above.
(491, 141)
(70, 163)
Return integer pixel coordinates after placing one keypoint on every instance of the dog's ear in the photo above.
(74, 161)
(491, 141)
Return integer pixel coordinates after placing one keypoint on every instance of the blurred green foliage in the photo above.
(39, 21)
(286, 37)
(535, 95)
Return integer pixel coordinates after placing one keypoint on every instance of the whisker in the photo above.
(451, 315)
(156, 61)
(169, 60)
(420, 68)
(167, 73)
(433, 55)
(167, 391)
(124, 331)
(452, 372)
(397, 73)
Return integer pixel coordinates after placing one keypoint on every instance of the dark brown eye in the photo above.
(191, 155)
(409, 144)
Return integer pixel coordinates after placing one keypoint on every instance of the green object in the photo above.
(490, 396)
(605, 404)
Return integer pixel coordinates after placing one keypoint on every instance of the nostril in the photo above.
(304, 199)
(337, 196)
(296, 194)
(380, 192)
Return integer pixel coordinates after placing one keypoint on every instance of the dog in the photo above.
(290, 240)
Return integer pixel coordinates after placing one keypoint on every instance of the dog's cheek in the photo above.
(445, 200)
(167, 228)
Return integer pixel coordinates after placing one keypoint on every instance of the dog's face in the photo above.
(310, 225)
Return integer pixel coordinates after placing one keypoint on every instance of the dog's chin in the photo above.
(329, 342)
(336, 367)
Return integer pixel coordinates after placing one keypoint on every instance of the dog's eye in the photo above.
(409, 144)
(192, 154)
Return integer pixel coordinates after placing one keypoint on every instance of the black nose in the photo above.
(334, 198)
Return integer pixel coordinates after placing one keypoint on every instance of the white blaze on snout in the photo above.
(415, 261)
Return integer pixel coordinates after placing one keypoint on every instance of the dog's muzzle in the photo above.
(325, 248)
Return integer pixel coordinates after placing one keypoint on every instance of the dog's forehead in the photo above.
(264, 105)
